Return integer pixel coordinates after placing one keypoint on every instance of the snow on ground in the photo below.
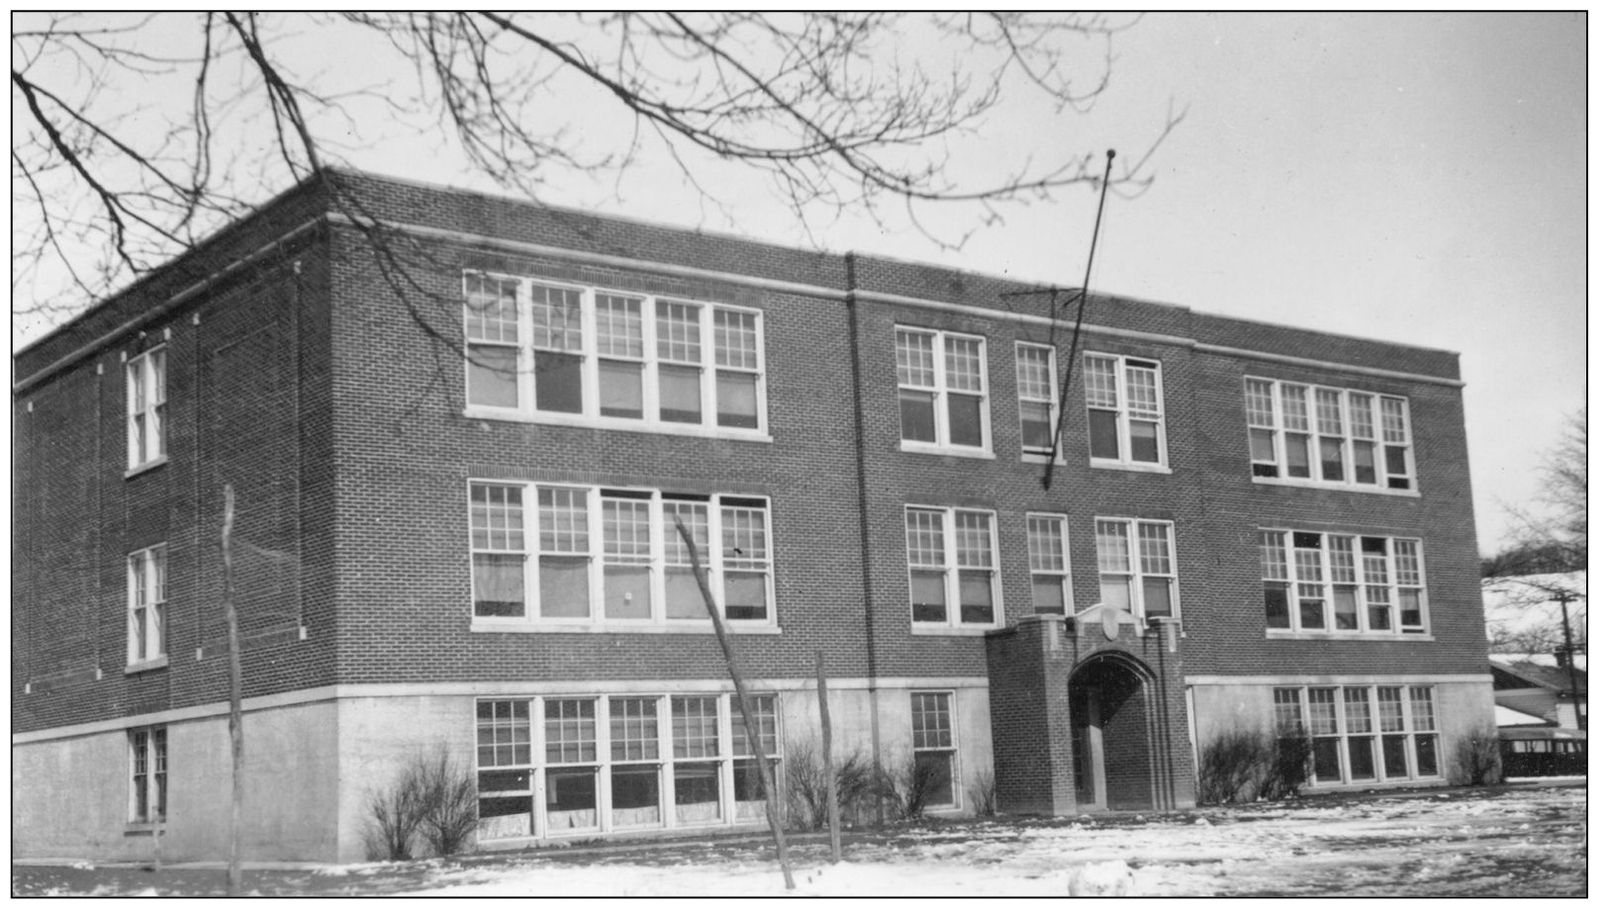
(1520, 842)
(1505, 841)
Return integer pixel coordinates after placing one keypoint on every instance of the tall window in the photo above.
(696, 725)
(1047, 558)
(745, 763)
(932, 739)
(1125, 415)
(147, 407)
(1137, 570)
(1038, 397)
(942, 389)
(1325, 435)
(954, 579)
(147, 604)
(1315, 582)
(577, 354)
(635, 756)
(606, 556)
(147, 755)
(1363, 733)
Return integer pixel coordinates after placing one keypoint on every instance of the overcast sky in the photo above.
(1415, 178)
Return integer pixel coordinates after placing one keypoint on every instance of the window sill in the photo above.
(616, 424)
(1113, 465)
(1279, 634)
(1333, 485)
(1038, 458)
(690, 628)
(143, 467)
(966, 631)
(144, 829)
(932, 449)
(146, 665)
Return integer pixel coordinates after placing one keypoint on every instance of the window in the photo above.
(605, 764)
(147, 604)
(1324, 435)
(1136, 566)
(953, 577)
(147, 407)
(147, 756)
(576, 354)
(1038, 397)
(942, 390)
(932, 734)
(603, 556)
(1125, 420)
(1047, 558)
(1342, 583)
(1363, 733)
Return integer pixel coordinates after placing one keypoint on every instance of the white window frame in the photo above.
(715, 563)
(726, 758)
(1135, 573)
(145, 394)
(951, 749)
(1418, 724)
(149, 743)
(1126, 414)
(941, 392)
(147, 605)
(1061, 575)
(590, 414)
(1330, 579)
(951, 569)
(1359, 439)
(1052, 400)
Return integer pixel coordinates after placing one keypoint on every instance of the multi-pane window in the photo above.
(147, 756)
(147, 604)
(695, 724)
(635, 755)
(1126, 422)
(953, 556)
(1363, 733)
(745, 765)
(1137, 568)
(1047, 559)
(503, 754)
(606, 556)
(942, 389)
(1321, 434)
(556, 352)
(572, 759)
(932, 738)
(1315, 582)
(147, 407)
(1037, 396)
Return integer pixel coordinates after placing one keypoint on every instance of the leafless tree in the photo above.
(1552, 534)
(137, 135)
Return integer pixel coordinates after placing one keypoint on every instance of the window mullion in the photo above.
(1124, 427)
(650, 405)
(529, 510)
(658, 572)
(709, 378)
(604, 777)
(526, 367)
(590, 390)
(940, 389)
(1135, 569)
(951, 564)
(759, 381)
(595, 534)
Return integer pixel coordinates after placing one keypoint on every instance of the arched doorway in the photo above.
(1112, 720)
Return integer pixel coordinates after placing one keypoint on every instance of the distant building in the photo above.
(458, 465)
(1541, 692)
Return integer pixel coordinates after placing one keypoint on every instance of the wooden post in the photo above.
(833, 818)
(236, 735)
(748, 722)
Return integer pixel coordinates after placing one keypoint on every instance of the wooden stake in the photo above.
(236, 735)
(833, 818)
(748, 722)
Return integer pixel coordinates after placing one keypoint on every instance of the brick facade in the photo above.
(325, 382)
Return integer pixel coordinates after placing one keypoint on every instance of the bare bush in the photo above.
(394, 812)
(983, 792)
(1478, 759)
(432, 801)
(914, 781)
(1248, 765)
(861, 786)
(1291, 765)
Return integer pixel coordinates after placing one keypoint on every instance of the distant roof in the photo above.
(1552, 677)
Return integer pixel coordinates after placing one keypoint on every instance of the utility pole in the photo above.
(236, 733)
(1565, 598)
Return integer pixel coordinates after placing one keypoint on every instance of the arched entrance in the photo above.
(1112, 733)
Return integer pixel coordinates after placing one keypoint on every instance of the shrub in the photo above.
(983, 792)
(432, 800)
(860, 786)
(913, 782)
(1233, 766)
(449, 809)
(1247, 765)
(1478, 759)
